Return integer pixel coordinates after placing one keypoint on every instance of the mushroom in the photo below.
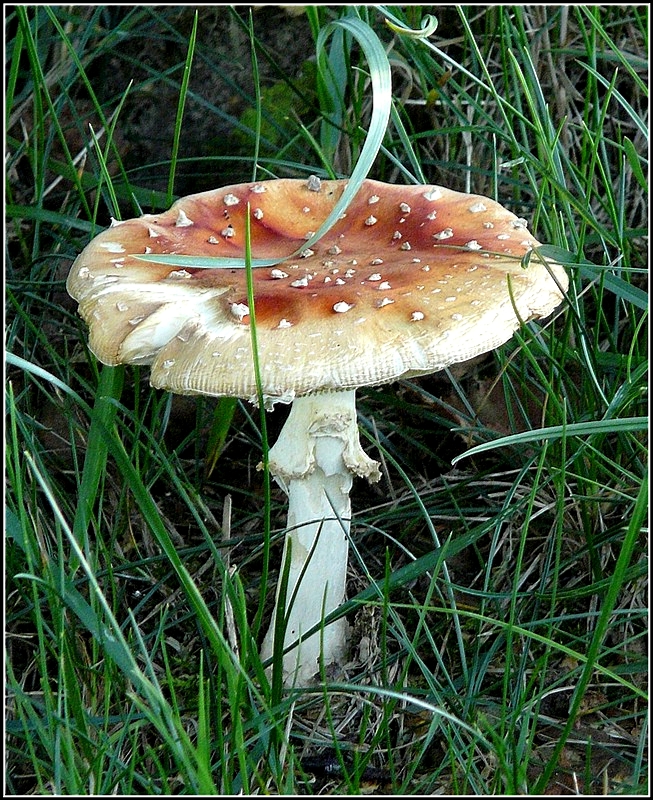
(409, 280)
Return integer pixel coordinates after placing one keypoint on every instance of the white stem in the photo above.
(314, 460)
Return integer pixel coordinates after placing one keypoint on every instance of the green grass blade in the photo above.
(596, 427)
(591, 661)
(181, 105)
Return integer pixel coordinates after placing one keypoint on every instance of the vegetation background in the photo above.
(499, 604)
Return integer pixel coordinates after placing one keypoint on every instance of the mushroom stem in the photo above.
(314, 460)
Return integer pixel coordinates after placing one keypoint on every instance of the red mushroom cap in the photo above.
(409, 280)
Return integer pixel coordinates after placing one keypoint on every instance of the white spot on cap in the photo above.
(374, 277)
(342, 307)
(416, 316)
(473, 245)
(432, 215)
(425, 268)
(405, 208)
(371, 220)
(230, 200)
(115, 222)
(113, 247)
(503, 236)
(307, 253)
(213, 240)
(284, 324)
(306, 209)
(375, 262)
(384, 286)
(314, 184)
(257, 213)
(183, 221)
(396, 236)
(278, 273)
(385, 302)
(169, 362)
(121, 306)
(239, 310)
(340, 282)
(258, 188)
(152, 233)
(228, 232)
(520, 222)
(476, 207)
(447, 233)
(177, 275)
(449, 299)
(373, 199)
(300, 282)
(456, 317)
(334, 251)
(488, 224)
(119, 262)
(350, 273)
(432, 194)
(84, 272)
(405, 246)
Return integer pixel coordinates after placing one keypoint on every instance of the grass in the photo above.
(499, 604)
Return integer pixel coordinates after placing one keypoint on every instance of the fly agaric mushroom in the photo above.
(409, 280)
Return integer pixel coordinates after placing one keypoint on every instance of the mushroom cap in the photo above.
(409, 280)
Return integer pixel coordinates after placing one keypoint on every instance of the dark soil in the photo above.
(221, 86)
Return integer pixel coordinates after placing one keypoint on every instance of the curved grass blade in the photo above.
(428, 27)
(380, 76)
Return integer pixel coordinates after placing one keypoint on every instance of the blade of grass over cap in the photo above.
(381, 79)
(204, 262)
(251, 301)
